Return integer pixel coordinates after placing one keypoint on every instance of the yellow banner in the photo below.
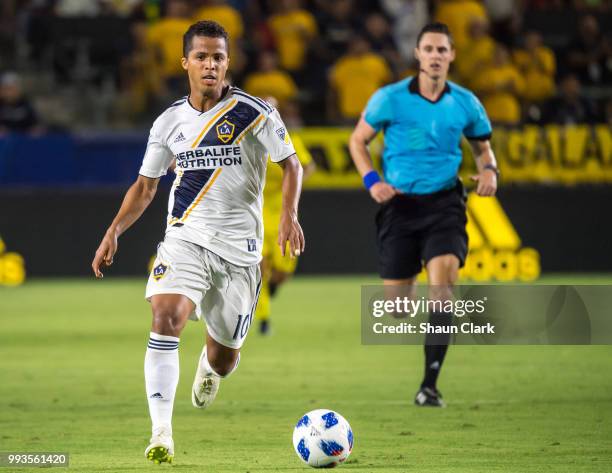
(548, 154)
(495, 250)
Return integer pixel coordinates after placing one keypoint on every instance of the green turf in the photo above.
(71, 360)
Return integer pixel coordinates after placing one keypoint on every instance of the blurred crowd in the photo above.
(115, 64)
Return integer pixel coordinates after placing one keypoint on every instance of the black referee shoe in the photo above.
(429, 397)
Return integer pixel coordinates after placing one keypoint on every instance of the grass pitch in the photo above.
(71, 359)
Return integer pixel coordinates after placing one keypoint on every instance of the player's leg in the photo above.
(170, 313)
(216, 362)
(277, 279)
(394, 288)
(442, 273)
(221, 359)
(276, 268)
(175, 289)
(264, 308)
(230, 307)
(399, 234)
(283, 268)
(397, 242)
(262, 312)
(280, 271)
(444, 252)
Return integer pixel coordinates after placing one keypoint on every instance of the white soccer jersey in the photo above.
(216, 198)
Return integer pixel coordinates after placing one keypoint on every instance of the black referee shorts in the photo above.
(412, 229)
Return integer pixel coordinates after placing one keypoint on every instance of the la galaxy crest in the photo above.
(225, 131)
(159, 271)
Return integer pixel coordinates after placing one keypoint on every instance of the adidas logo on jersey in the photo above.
(179, 138)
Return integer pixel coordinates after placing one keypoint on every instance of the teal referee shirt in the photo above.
(422, 151)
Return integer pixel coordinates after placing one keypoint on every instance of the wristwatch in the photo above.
(492, 168)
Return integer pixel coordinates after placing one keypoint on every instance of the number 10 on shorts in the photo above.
(242, 326)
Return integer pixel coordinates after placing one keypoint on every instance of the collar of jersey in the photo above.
(222, 100)
(413, 87)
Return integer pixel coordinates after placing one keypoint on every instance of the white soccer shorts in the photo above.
(225, 293)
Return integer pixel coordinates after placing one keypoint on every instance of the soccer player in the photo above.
(422, 215)
(208, 263)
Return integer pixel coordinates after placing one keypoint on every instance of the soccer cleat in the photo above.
(205, 386)
(161, 447)
(429, 397)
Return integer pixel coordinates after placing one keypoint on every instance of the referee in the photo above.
(422, 216)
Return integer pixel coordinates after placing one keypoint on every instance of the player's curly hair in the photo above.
(441, 28)
(210, 29)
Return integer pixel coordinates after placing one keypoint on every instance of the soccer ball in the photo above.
(323, 438)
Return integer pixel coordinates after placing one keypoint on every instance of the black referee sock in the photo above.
(436, 345)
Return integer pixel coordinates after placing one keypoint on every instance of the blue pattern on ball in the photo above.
(330, 419)
(303, 451)
(350, 439)
(304, 421)
(331, 448)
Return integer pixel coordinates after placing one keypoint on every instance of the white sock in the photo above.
(161, 378)
(205, 367)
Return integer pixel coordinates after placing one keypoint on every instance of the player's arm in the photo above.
(486, 178)
(358, 145)
(289, 228)
(136, 200)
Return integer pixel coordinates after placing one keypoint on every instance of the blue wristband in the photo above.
(370, 179)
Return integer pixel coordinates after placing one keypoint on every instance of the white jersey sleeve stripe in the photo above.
(254, 100)
(275, 138)
(249, 128)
